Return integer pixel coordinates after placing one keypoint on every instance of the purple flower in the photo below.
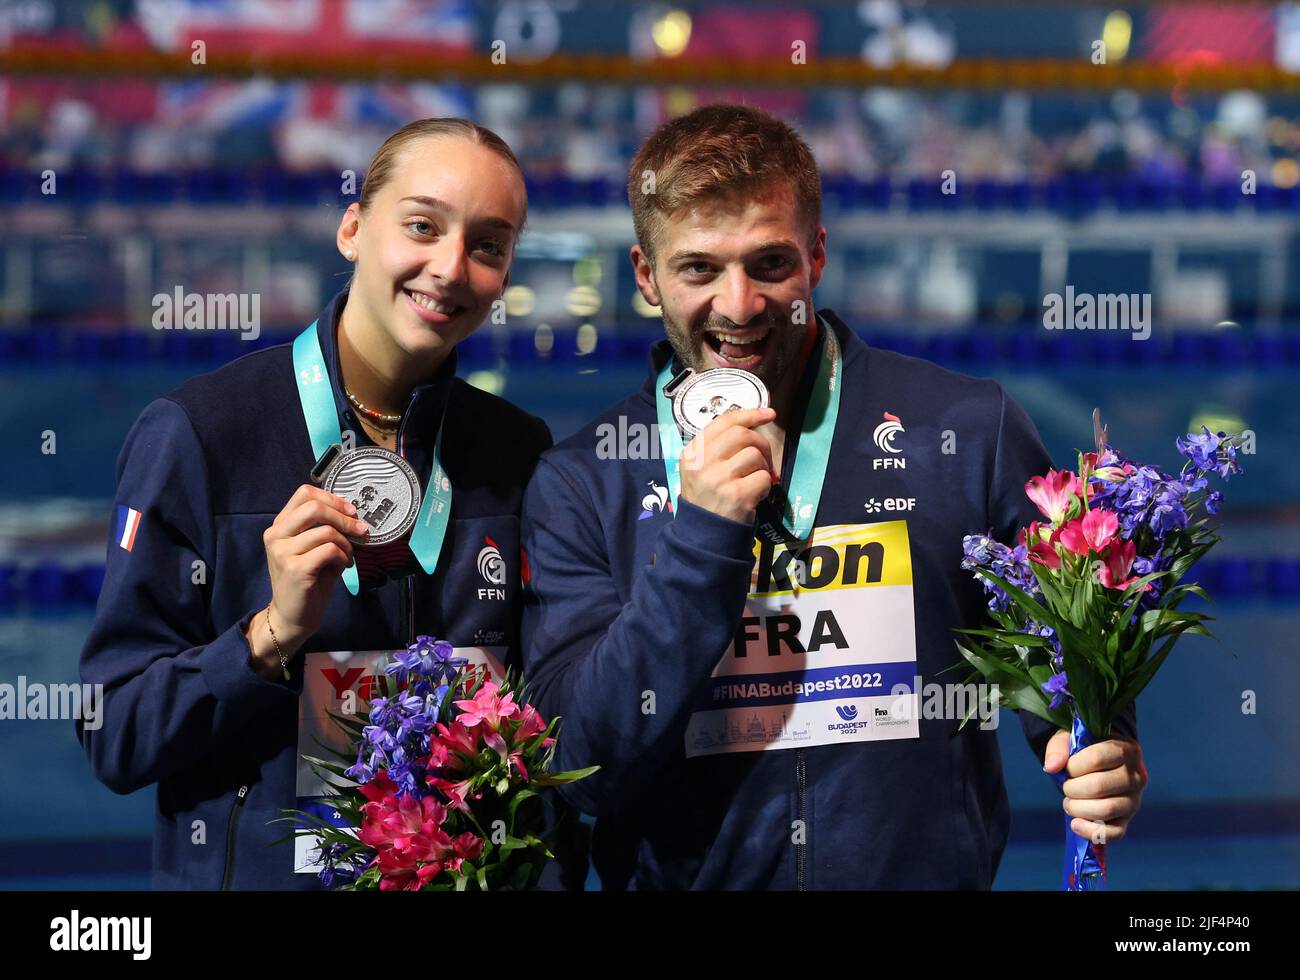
(427, 660)
(1010, 564)
(335, 873)
(1055, 686)
(1210, 452)
(362, 772)
(397, 738)
(1145, 499)
(1201, 448)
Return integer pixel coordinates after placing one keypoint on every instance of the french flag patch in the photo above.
(128, 522)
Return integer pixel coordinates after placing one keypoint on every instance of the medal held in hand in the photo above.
(689, 401)
(700, 397)
(385, 490)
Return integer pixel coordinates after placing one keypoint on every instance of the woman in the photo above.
(226, 563)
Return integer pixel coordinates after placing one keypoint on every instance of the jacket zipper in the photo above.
(408, 612)
(800, 849)
(231, 829)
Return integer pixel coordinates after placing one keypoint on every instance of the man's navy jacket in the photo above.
(628, 609)
(203, 473)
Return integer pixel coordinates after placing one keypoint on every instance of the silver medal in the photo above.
(700, 397)
(383, 488)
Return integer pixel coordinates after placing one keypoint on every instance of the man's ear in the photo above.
(817, 257)
(644, 270)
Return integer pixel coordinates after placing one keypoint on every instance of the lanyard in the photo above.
(321, 413)
(799, 506)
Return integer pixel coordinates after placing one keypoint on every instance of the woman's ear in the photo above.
(346, 237)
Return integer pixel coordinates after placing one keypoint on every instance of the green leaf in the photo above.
(571, 776)
(523, 794)
(1015, 689)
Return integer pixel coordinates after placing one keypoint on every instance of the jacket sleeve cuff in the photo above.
(225, 664)
(702, 530)
(1038, 732)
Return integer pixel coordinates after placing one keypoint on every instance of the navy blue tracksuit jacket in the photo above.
(628, 609)
(202, 474)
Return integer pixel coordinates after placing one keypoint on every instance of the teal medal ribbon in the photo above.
(321, 414)
(796, 510)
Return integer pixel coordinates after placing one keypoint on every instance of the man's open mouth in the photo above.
(738, 348)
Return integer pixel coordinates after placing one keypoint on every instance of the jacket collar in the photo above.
(422, 412)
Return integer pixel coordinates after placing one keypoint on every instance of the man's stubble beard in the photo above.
(781, 358)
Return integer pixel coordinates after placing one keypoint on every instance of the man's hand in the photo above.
(1105, 784)
(727, 467)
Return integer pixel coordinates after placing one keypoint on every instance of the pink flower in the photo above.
(1110, 468)
(1053, 493)
(440, 755)
(513, 756)
(1091, 532)
(467, 847)
(1042, 551)
(406, 833)
(401, 823)
(457, 738)
(530, 723)
(379, 788)
(487, 708)
(1119, 562)
(456, 792)
(398, 873)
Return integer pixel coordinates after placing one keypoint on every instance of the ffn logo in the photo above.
(883, 437)
(493, 569)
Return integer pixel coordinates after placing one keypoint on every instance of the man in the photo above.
(736, 692)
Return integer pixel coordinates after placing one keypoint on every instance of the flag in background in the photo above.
(1211, 32)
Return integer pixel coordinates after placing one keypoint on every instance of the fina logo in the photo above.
(490, 564)
(847, 712)
(884, 440)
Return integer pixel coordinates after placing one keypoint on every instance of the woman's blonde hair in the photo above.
(385, 158)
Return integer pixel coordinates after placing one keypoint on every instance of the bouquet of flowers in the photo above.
(1081, 600)
(444, 793)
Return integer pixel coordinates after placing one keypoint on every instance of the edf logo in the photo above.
(875, 506)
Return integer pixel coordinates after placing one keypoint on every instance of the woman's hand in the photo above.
(306, 552)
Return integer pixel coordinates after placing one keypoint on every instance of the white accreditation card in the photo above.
(826, 650)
